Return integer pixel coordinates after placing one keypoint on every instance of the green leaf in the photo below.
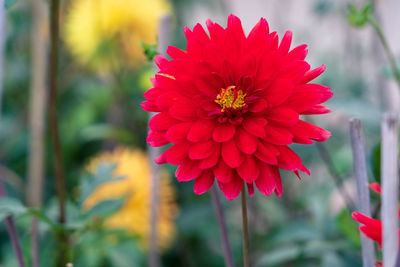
(42, 217)
(11, 207)
(359, 17)
(105, 208)
(9, 3)
(150, 50)
(348, 227)
(104, 174)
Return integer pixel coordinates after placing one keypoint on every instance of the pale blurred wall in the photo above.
(357, 51)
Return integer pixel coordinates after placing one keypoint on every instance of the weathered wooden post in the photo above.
(360, 173)
(390, 188)
(164, 38)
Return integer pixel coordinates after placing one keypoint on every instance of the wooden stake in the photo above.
(360, 173)
(164, 39)
(390, 188)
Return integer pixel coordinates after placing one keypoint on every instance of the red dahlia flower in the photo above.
(230, 105)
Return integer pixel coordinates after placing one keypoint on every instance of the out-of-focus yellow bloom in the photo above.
(134, 216)
(106, 33)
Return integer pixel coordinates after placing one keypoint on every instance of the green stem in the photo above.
(246, 260)
(392, 60)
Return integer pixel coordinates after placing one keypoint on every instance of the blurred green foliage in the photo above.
(359, 17)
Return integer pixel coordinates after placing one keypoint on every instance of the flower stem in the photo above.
(12, 232)
(222, 226)
(54, 133)
(35, 242)
(246, 260)
(392, 60)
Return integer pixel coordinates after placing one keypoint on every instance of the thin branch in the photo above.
(54, 133)
(12, 231)
(389, 53)
(222, 226)
(334, 173)
(246, 259)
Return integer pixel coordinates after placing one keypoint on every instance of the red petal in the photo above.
(304, 131)
(161, 121)
(203, 183)
(246, 142)
(178, 132)
(277, 135)
(278, 92)
(266, 181)
(188, 171)
(317, 109)
(201, 130)
(167, 100)
(184, 111)
(223, 132)
(161, 62)
(376, 187)
(231, 154)
(222, 172)
(260, 29)
(312, 74)
(267, 153)
(202, 150)
(249, 169)
(255, 126)
(250, 189)
(289, 160)
(149, 106)
(156, 138)
(258, 106)
(285, 43)
(232, 189)
(298, 53)
(283, 116)
(176, 53)
(203, 84)
(177, 154)
(212, 160)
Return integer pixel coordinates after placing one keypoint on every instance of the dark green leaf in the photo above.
(105, 208)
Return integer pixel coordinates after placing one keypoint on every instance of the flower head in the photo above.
(230, 105)
(102, 33)
(134, 216)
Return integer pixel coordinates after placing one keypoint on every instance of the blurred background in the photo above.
(103, 73)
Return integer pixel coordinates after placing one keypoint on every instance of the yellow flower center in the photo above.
(230, 98)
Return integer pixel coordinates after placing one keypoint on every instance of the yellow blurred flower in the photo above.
(106, 33)
(134, 216)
